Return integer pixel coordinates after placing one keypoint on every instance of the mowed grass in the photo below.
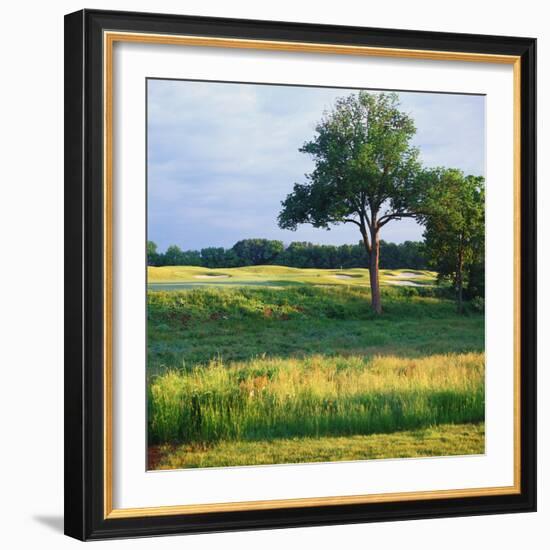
(257, 370)
(443, 440)
(174, 277)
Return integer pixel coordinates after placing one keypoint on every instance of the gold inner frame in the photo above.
(109, 39)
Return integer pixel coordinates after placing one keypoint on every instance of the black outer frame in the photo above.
(84, 517)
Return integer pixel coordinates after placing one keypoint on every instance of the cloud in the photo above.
(222, 157)
(450, 129)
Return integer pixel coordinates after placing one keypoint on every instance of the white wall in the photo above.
(31, 355)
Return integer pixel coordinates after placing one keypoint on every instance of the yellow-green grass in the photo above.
(273, 398)
(443, 440)
(189, 276)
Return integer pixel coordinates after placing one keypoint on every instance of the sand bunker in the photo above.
(343, 277)
(403, 283)
(409, 275)
(211, 276)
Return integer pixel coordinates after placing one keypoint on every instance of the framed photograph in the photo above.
(300, 274)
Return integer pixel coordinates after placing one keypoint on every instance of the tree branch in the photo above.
(366, 240)
(362, 209)
(395, 215)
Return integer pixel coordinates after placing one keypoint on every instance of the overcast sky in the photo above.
(222, 157)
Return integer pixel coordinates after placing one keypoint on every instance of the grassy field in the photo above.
(174, 277)
(272, 365)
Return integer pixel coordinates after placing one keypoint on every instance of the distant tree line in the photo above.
(410, 254)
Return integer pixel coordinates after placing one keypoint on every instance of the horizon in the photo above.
(222, 156)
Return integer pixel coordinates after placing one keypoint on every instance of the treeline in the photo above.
(410, 254)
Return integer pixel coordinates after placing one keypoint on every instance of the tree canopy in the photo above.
(365, 167)
(455, 229)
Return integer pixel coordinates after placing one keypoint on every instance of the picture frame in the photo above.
(90, 294)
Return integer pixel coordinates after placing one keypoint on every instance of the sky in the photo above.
(221, 157)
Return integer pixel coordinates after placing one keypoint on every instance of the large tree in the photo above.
(455, 229)
(366, 173)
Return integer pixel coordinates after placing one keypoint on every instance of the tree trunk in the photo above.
(460, 281)
(374, 273)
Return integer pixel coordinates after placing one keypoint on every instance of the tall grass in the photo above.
(295, 302)
(268, 398)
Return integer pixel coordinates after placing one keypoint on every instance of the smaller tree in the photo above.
(153, 257)
(455, 227)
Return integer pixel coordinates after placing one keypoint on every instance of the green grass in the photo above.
(284, 354)
(444, 440)
(314, 396)
(186, 328)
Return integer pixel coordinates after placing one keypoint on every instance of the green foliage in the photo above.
(153, 257)
(257, 251)
(175, 256)
(409, 254)
(293, 302)
(475, 278)
(365, 166)
(392, 256)
(455, 229)
(218, 257)
(478, 304)
(297, 254)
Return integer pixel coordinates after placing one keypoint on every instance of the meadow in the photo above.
(271, 364)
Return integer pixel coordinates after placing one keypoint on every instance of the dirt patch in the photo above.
(154, 456)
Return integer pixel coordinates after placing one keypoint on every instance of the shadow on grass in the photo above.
(241, 323)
